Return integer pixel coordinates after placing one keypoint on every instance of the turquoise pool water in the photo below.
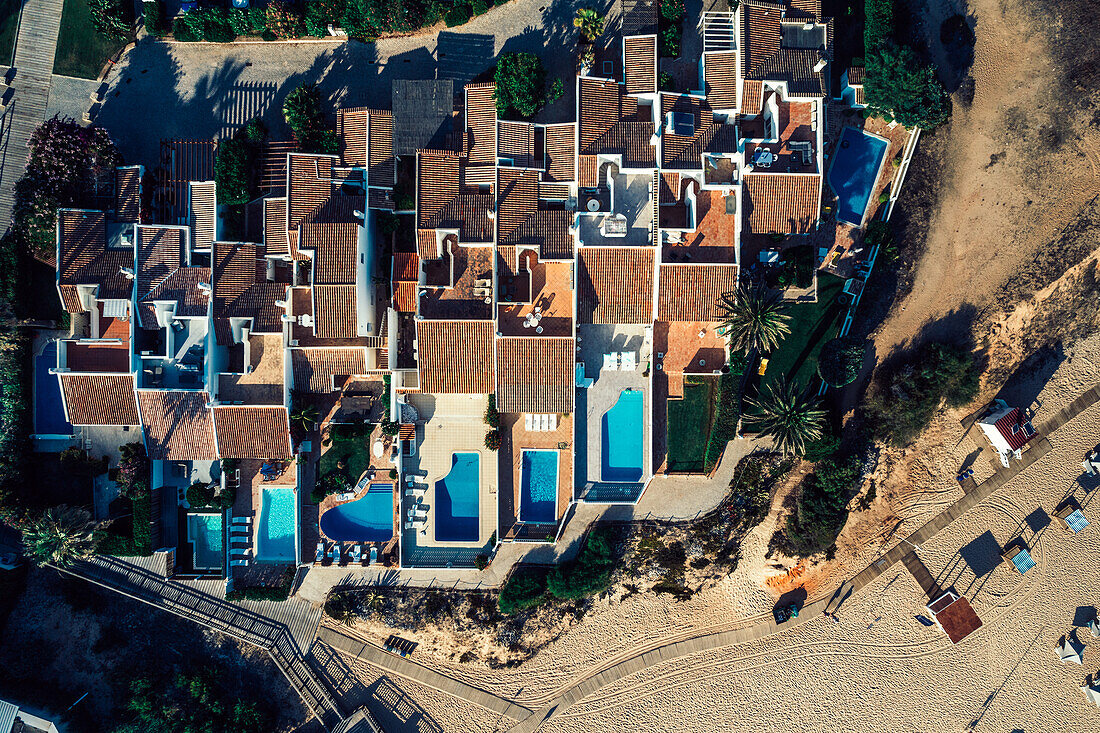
(539, 486)
(49, 413)
(622, 438)
(457, 510)
(275, 531)
(206, 535)
(854, 170)
(367, 519)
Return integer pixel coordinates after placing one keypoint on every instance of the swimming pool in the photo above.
(367, 519)
(457, 513)
(275, 532)
(538, 500)
(205, 533)
(854, 170)
(622, 438)
(49, 412)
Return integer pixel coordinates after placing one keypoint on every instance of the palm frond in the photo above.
(789, 414)
(754, 318)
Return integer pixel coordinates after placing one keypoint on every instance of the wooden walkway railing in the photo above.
(195, 605)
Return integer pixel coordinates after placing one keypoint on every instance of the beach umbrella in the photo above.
(1094, 627)
(1070, 651)
(1092, 694)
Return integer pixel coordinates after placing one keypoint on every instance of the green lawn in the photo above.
(812, 325)
(355, 450)
(81, 51)
(9, 23)
(689, 424)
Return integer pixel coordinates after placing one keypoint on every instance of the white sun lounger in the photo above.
(415, 513)
(245, 521)
(240, 552)
(529, 423)
(334, 553)
(356, 553)
(611, 362)
(238, 563)
(553, 417)
(415, 491)
(320, 552)
(628, 361)
(373, 555)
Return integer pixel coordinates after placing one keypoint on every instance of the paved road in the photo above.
(35, 45)
(207, 90)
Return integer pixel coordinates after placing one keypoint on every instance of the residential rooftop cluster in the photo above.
(552, 289)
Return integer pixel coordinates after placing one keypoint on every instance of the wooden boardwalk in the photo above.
(199, 605)
(35, 45)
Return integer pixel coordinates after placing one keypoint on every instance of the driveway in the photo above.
(200, 90)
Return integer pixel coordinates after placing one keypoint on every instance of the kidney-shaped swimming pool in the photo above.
(367, 519)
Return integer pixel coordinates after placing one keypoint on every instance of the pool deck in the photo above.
(249, 499)
(515, 440)
(449, 424)
(595, 341)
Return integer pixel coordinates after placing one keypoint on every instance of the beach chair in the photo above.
(356, 553)
(1070, 651)
(1094, 628)
(417, 513)
(410, 525)
(334, 554)
(373, 555)
(1071, 518)
(628, 361)
(241, 521)
(415, 492)
(553, 418)
(611, 362)
(1019, 556)
(239, 563)
(320, 552)
(240, 552)
(544, 423)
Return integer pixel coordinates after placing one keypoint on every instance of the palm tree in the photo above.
(304, 417)
(590, 23)
(754, 319)
(61, 535)
(789, 414)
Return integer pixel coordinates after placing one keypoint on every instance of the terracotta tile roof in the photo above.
(784, 203)
(383, 164)
(720, 75)
(795, 66)
(276, 241)
(855, 76)
(752, 97)
(334, 313)
(334, 246)
(427, 244)
(554, 191)
(633, 139)
(590, 171)
(766, 55)
(805, 8)
(404, 297)
(309, 184)
(640, 64)
(182, 288)
(599, 112)
(352, 132)
(760, 34)
(160, 252)
(690, 292)
(406, 266)
(669, 190)
(516, 140)
(128, 194)
(534, 374)
(178, 426)
(479, 141)
(521, 222)
(437, 184)
(85, 259)
(615, 285)
(97, 356)
(100, 399)
(857, 96)
(233, 273)
(203, 210)
(455, 357)
(252, 432)
(561, 152)
(315, 369)
(482, 175)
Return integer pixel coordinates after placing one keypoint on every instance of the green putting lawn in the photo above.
(689, 424)
(81, 50)
(812, 325)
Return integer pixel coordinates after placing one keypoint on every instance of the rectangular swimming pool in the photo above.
(367, 519)
(457, 500)
(854, 171)
(276, 530)
(205, 532)
(49, 412)
(622, 438)
(539, 487)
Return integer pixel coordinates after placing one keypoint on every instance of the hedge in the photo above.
(878, 25)
(728, 397)
(525, 588)
(278, 592)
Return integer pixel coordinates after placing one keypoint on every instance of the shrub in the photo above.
(234, 170)
(823, 447)
(322, 13)
(200, 495)
(190, 26)
(390, 428)
(355, 22)
(340, 606)
(910, 393)
(899, 85)
(248, 21)
(556, 90)
(459, 14)
(492, 417)
(280, 591)
(729, 411)
(216, 26)
(284, 21)
(112, 18)
(493, 439)
(525, 588)
(333, 482)
(666, 82)
(670, 27)
(840, 361)
(798, 267)
(302, 111)
(156, 22)
(589, 573)
(521, 81)
(481, 6)
(669, 41)
(481, 561)
(821, 507)
(878, 24)
(133, 470)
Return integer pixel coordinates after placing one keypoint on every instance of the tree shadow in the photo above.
(1024, 385)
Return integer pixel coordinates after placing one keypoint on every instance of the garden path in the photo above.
(35, 45)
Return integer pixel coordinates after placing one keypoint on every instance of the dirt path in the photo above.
(1018, 164)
